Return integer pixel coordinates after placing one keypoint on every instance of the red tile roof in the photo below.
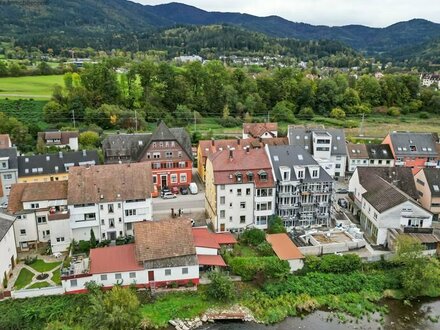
(204, 238)
(242, 161)
(225, 238)
(283, 247)
(205, 260)
(113, 259)
(5, 141)
(256, 130)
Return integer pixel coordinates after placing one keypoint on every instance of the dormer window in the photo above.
(301, 174)
(239, 177)
(250, 176)
(412, 148)
(263, 175)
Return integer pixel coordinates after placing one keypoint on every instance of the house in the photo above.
(363, 180)
(8, 251)
(428, 186)
(425, 237)
(163, 255)
(384, 207)
(260, 130)
(8, 172)
(5, 141)
(53, 167)
(109, 199)
(240, 190)
(414, 150)
(168, 150)
(209, 147)
(326, 145)
(208, 245)
(59, 139)
(303, 188)
(284, 248)
(430, 79)
(41, 214)
(369, 155)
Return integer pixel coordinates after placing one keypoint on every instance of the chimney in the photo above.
(60, 154)
(248, 149)
(238, 141)
(212, 142)
(231, 154)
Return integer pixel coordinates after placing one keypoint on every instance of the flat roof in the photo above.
(284, 247)
(331, 237)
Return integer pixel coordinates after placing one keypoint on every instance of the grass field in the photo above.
(24, 278)
(42, 266)
(36, 87)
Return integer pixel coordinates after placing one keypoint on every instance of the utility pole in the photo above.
(268, 117)
(361, 129)
(73, 117)
(195, 122)
(136, 120)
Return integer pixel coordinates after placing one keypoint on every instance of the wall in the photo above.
(59, 229)
(28, 224)
(28, 293)
(7, 183)
(206, 251)
(296, 264)
(7, 250)
(44, 178)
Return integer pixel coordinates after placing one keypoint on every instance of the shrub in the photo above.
(306, 113)
(229, 122)
(253, 237)
(337, 113)
(333, 263)
(269, 267)
(265, 249)
(424, 115)
(394, 112)
(221, 287)
(30, 260)
(276, 226)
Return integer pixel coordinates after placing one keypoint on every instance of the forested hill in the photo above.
(108, 24)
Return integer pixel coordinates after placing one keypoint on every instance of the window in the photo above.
(238, 192)
(338, 165)
(420, 182)
(248, 191)
(242, 219)
(184, 270)
(132, 275)
(111, 208)
(169, 154)
(101, 207)
(182, 164)
(119, 205)
(41, 219)
(60, 239)
(173, 178)
(129, 226)
(35, 205)
(129, 213)
(7, 176)
(243, 205)
(222, 214)
(104, 277)
(111, 223)
(154, 179)
(222, 187)
(89, 217)
(156, 166)
(148, 155)
(118, 276)
(156, 155)
(179, 154)
(120, 220)
(73, 283)
(300, 174)
(183, 177)
(102, 222)
(167, 272)
(22, 231)
(315, 173)
(263, 175)
(222, 200)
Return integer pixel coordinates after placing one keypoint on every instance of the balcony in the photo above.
(59, 215)
(399, 163)
(431, 164)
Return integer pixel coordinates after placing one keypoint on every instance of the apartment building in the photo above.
(428, 186)
(8, 172)
(368, 155)
(303, 188)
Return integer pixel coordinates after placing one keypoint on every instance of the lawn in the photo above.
(39, 285)
(24, 278)
(244, 251)
(56, 277)
(176, 305)
(37, 87)
(43, 267)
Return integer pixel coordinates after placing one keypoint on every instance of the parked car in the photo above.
(184, 190)
(193, 189)
(168, 195)
(175, 190)
(164, 190)
(342, 191)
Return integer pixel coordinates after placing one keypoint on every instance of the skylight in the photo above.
(436, 188)
(300, 157)
(275, 158)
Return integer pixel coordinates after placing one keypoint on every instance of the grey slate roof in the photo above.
(402, 177)
(288, 156)
(383, 195)
(125, 145)
(379, 151)
(433, 179)
(302, 136)
(6, 222)
(414, 144)
(12, 154)
(46, 163)
(184, 139)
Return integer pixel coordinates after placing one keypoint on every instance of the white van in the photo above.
(193, 188)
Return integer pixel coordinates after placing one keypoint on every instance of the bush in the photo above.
(276, 226)
(394, 112)
(253, 237)
(269, 267)
(221, 287)
(333, 263)
(306, 113)
(5, 280)
(265, 249)
(337, 113)
(424, 115)
(229, 122)
(30, 260)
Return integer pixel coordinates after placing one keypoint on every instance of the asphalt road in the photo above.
(188, 203)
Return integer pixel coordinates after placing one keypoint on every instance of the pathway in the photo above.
(20, 266)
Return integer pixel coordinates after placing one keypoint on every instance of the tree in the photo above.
(276, 226)
(89, 139)
(306, 113)
(183, 115)
(253, 236)
(54, 112)
(92, 239)
(114, 310)
(221, 287)
(369, 90)
(283, 112)
(337, 113)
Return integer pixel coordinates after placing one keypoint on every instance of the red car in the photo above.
(175, 190)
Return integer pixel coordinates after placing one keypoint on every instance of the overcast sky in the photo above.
(377, 13)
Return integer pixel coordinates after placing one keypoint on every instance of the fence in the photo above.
(28, 293)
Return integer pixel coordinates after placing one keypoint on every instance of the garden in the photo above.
(37, 273)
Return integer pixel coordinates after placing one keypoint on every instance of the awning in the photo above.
(206, 260)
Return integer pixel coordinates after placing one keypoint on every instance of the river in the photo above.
(421, 315)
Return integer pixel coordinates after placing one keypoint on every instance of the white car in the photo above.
(168, 195)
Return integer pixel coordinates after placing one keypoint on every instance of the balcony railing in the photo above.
(60, 215)
(431, 164)
(399, 163)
